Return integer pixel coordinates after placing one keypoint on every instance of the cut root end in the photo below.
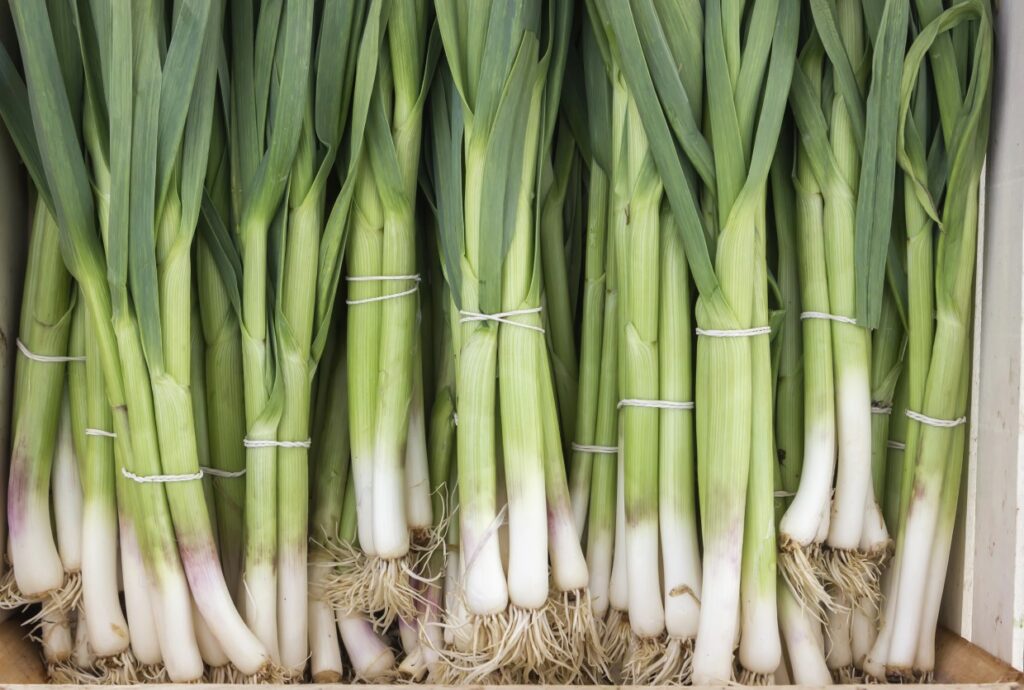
(153, 673)
(413, 667)
(745, 677)
(270, 673)
(848, 675)
(904, 676)
(120, 669)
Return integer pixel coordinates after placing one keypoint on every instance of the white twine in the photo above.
(881, 409)
(660, 404)
(381, 298)
(932, 421)
(503, 317)
(586, 448)
(225, 474)
(741, 333)
(372, 279)
(784, 494)
(100, 432)
(455, 418)
(260, 443)
(46, 359)
(896, 445)
(161, 478)
(827, 317)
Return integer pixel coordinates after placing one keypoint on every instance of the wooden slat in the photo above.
(959, 661)
(990, 686)
(987, 604)
(20, 661)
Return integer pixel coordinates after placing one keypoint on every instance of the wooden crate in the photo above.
(958, 663)
(984, 596)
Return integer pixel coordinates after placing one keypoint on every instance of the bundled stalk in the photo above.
(263, 153)
(593, 473)
(383, 329)
(962, 87)
(146, 382)
(500, 117)
(283, 155)
(36, 570)
(726, 412)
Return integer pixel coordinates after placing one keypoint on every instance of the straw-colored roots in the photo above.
(516, 646)
(120, 669)
(64, 599)
(270, 673)
(578, 638)
(673, 666)
(642, 656)
(384, 588)
(745, 677)
(153, 673)
(881, 555)
(381, 587)
(10, 596)
(803, 569)
(856, 574)
(848, 675)
(615, 642)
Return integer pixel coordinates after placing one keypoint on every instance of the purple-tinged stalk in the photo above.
(38, 387)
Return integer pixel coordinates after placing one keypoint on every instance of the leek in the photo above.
(383, 321)
(905, 645)
(46, 312)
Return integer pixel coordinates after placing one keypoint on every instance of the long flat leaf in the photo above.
(878, 169)
(681, 196)
(60, 151)
(120, 110)
(446, 154)
(225, 254)
(178, 79)
(827, 24)
(681, 112)
(142, 270)
(503, 172)
(332, 243)
(266, 191)
(195, 153)
(17, 116)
